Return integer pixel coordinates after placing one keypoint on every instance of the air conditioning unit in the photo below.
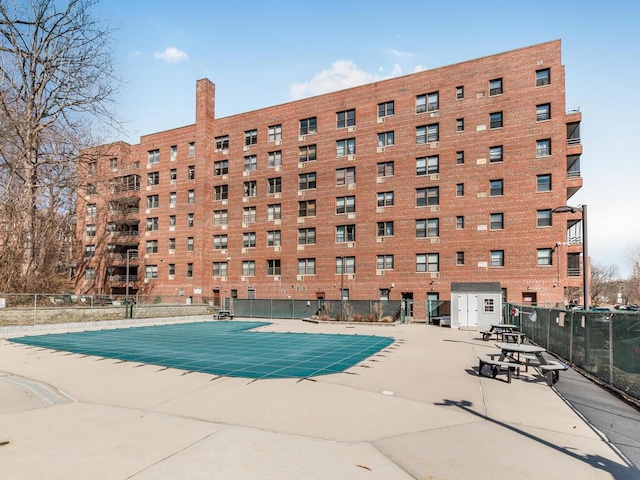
(380, 239)
(224, 227)
(352, 186)
(278, 142)
(276, 248)
(380, 150)
(351, 276)
(301, 139)
(300, 278)
(434, 144)
(277, 195)
(434, 176)
(277, 221)
(245, 199)
(245, 250)
(379, 272)
(351, 215)
(148, 188)
(246, 148)
(434, 114)
(300, 219)
(225, 201)
(435, 208)
(223, 251)
(435, 274)
(379, 209)
(379, 179)
(300, 193)
(245, 173)
(351, 157)
(243, 279)
(481, 194)
(481, 161)
(434, 239)
(351, 244)
(172, 205)
(276, 278)
(172, 229)
(481, 94)
(351, 129)
(381, 119)
(300, 247)
(225, 151)
(278, 168)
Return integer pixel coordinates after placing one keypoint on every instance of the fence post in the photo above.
(611, 349)
(35, 308)
(571, 339)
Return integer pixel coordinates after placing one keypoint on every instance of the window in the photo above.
(346, 176)
(113, 164)
(172, 245)
(385, 229)
(543, 77)
(385, 199)
(221, 168)
(153, 178)
(495, 86)
(495, 120)
(250, 163)
(173, 198)
(174, 153)
(495, 154)
(274, 185)
(346, 118)
(385, 169)
(459, 222)
(250, 188)
(274, 211)
(307, 181)
(427, 133)
(90, 230)
(459, 189)
(427, 103)
(459, 258)
(385, 139)
(191, 197)
(459, 93)
(222, 143)
(487, 305)
(345, 233)
(275, 159)
(153, 156)
(307, 153)
(495, 188)
(384, 294)
(497, 258)
(385, 109)
(220, 242)
(543, 112)
(249, 215)
(428, 228)
(273, 267)
(250, 137)
(191, 172)
(89, 273)
(460, 158)
(384, 262)
(306, 266)
(152, 246)
(219, 269)
(172, 221)
(190, 220)
(248, 268)
(544, 182)
(346, 147)
(173, 175)
(172, 269)
(428, 165)
(221, 192)
(543, 148)
(306, 236)
(497, 221)
(544, 218)
(249, 240)
(220, 217)
(429, 196)
(192, 149)
(153, 201)
(428, 262)
(345, 204)
(92, 189)
(190, 244)
(544, 257)
(273, 238)
(308, 126)
(460, 125)
(345, 265)
(307, 208)
(89, 251)
(275, 133)
(151, 271)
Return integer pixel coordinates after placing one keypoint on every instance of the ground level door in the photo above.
(406, 313)
(467, 310)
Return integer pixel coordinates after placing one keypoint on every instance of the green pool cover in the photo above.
(221, 348)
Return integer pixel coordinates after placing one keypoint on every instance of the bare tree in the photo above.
(632, 285)
(56, 76)
(605, 283)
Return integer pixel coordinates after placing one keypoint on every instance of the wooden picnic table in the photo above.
(499, 330)
(531, 355)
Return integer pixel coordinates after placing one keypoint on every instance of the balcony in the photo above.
(574, 142)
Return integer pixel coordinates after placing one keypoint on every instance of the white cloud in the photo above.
(171, 54)
(398, 53)
(342, 74)
(419, 68)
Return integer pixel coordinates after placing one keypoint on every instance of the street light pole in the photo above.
(585, 250)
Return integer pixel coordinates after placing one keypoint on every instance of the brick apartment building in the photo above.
(391, 190)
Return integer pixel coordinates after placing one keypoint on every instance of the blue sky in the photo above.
(262, 53)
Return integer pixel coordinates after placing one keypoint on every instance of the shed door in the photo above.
(462, 311)
(467, 310)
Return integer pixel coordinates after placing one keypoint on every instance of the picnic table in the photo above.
(502, 329)
(526, 355)
(222, 314)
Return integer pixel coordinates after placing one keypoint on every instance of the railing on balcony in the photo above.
(573, 110)
(126, 233)
(123, 257)
(573, 141)
(124, 211)
(574, 271)
(573, 173)
(122, 278)
(574, 240)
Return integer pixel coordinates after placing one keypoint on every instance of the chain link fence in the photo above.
(604, 344)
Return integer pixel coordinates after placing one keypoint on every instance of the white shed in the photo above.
(475, 305)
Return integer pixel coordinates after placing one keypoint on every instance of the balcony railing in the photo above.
(126, 233)
(122, 278)
(573, 141)
(573, 173)
(574, 271)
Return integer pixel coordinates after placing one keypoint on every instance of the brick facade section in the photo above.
(520, 238)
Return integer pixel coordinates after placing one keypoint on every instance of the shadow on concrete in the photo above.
(616, 470)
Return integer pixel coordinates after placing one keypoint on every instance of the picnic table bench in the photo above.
(223, 314)
(526, 355)
(499, 330)
(498, 366)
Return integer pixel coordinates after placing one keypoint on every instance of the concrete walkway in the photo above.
(418, 410)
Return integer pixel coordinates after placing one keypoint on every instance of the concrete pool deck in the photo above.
(416, 410)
